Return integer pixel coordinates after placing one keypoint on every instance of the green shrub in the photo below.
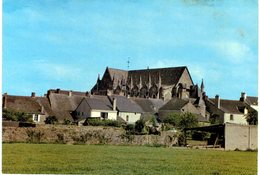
(99, 122)
(67, 122)
(181, 121)
(17, 116)
(139, 126)
(51, 120)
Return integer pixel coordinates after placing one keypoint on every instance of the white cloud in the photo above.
(233, 51)
(58, 71)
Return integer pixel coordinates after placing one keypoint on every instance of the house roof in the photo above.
(62, 105)
(99, 103)
(230, 106)
(44, 101)
(174, 104)
(148, 105)
(252, 100)
(23, 104)
(124, 104)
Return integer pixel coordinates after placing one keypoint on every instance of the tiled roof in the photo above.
(124, 104)
(23, 104)
(174, 104)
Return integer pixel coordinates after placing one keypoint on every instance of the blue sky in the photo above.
(65, 44)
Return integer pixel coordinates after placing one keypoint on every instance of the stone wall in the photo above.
(85, 135)
(242, 137)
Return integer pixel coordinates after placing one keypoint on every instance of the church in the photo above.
(160, 83)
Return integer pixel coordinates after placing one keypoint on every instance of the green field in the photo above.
(105, 159)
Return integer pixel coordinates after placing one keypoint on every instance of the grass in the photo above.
(106, 159)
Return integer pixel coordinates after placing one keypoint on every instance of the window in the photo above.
(127, 118)
(231, 117)
(104, 115)
(35, 117)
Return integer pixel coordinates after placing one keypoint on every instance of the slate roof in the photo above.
(169, 76)
(124, 104)
(117, 74)
(23, 104)
(230, 106)
(174, 104)
(251, 100)
(148, 105)
(99, 103)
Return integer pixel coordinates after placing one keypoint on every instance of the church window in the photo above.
(127, 118)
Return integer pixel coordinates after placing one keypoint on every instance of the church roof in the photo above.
(169, 76)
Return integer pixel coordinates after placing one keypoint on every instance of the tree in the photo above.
(173, 119)
(181, 121)
(188, 120)
(252, 117)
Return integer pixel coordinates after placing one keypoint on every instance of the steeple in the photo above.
(98, 80)
(140, 82)
(160, 81)
(131, 83)
(149, 81)
(202, 86)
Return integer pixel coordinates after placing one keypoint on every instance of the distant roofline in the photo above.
(146, 69)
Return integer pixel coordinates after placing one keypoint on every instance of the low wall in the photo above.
(85, 135)
(242, 137)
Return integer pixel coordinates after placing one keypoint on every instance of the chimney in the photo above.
(70, 93)
(33, 94)
(243, 96)
(58, 91)
(42, 109)
(5, 101)
(114, 104)
(217, 101)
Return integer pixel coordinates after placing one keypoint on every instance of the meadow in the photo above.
(107, 159)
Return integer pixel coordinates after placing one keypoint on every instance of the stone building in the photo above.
(163, 83)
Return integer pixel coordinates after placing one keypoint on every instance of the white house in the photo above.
(227, 111)
(95, 107)
(129, 111)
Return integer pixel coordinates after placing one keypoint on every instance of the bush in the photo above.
(181, 121)
(51, 120)
(98, 122)
(67, 122)
(139, 125)
(17, 116)
(60, 138)
(34, 136)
